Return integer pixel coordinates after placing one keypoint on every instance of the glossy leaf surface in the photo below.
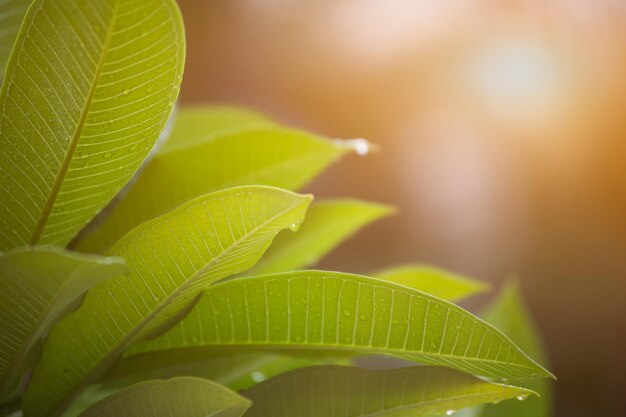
(435, 281)
(177, 397)
(235, 369)
(195, 124)
(336, 311)
(86, 94)
(328, 223)
(39, 286)
(353, 392)
(263, 155)
(171, 259)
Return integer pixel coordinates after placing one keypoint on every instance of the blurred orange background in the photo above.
(502, 128)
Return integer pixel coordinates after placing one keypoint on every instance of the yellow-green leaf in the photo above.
(344, 391)
(171, 259)
(12, 14)
(435, 281)
(333, 311)
(327, 224)
(509, 313)
(235, 369)
(86, 94)
(177, 397)
(267, 155)
(39, 286)
(196, 124)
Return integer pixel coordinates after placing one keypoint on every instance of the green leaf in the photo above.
(336, 311)
(39, 286)
(12, 14)
(267, 155)
(177, 397)
(235, 369)
(88, 90)
(353, 392)
(196, 124)
(435, 281)
(171, 259)
(509, 313)
(327, 224)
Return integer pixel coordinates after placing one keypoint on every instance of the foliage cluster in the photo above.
(137, 276)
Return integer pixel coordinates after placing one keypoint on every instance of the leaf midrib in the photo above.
(54, 192)
(328, 347)
(125, 340)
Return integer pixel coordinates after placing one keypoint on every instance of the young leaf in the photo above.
(171, 259)
(197, 124)
(86, 94)
(177, 397)
(39, 286)
(264, 155)
(434, 281)
(327, 224)
(12, 14)
(509, 313)
(353, 392)
(336, 311)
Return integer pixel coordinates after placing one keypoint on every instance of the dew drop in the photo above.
(362, 317)
(107, 154)
(360, 146)
(347, 313)
(126, 92)
(450, 412)
(294, 227)
(521, 397)
(257, 376)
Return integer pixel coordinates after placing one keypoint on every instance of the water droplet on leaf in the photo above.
(360, 146)
(257, 376)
